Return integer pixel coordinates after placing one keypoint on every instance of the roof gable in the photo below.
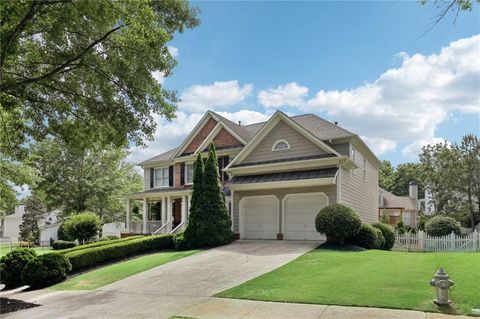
(289, 127)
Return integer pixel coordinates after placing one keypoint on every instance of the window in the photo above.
(280, 145)
(352, 153)
(189, 173)
(161, 177)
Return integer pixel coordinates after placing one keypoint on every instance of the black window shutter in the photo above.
(152, 176)
(226, 160)
(182, 174)
(220, 166)
(170, 176)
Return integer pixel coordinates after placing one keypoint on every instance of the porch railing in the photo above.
(152, 226)
(179, 228)
(162, 230)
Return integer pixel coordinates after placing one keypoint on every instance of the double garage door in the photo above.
(260, 216)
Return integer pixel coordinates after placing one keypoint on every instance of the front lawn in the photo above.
(5, 248)
(369, 278)
(109, 274)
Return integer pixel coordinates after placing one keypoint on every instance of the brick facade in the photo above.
(177, 175)
(223, 138)
(200, 137)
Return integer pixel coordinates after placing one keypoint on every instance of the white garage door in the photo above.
(259, 217)
(300, 211)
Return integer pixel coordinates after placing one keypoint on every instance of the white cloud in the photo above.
(406, 104)
(199, 98)
(290, 94)
(173, 51)
(412, 150)
(246, 116)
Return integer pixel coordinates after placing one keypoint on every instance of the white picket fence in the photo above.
(425, 243)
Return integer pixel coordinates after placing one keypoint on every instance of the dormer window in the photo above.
(280, 145)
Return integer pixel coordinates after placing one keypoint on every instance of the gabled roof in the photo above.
(285, 176)
(393, 201)
(159, 158)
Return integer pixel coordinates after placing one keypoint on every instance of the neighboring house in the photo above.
(400, 207)
(277, 175)
(426, 205)
(10, 226)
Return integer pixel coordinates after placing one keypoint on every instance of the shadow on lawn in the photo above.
(339, 247)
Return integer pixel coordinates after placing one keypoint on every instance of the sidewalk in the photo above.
(221, 308)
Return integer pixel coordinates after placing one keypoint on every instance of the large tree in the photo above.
(76, 180)
(397, 179)
(72, 68)
(34, 212)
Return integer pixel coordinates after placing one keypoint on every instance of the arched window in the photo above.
(280, 145)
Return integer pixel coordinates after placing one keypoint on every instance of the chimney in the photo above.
(239, 123)
(413, 190)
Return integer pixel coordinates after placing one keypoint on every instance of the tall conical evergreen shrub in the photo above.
(209, 223)
(193, 231)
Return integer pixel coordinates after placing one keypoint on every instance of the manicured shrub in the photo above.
(98, 243)
(110, 237)
(12, 264)
(388, 235)
(368, 237)
(63, 244)
(337, 222)
(96, 255)
(62, 233)
(400, 227)
(83, 226)
(46, 270)
(179, 242)
(442, 226)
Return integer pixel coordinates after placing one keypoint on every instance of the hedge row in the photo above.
(93, 256)
(98, 244)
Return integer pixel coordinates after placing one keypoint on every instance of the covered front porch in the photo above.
(161, 212)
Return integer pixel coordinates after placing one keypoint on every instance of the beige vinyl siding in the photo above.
(359, 194)
(299, 145)
(343, 149)
(146, 178)
(330, 191)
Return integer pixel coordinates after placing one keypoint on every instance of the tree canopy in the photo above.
(397, 179)
(73, 68)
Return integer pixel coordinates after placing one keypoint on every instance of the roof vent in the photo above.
(336, 122)
(240, 123)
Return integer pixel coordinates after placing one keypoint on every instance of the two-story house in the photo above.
(277, 175)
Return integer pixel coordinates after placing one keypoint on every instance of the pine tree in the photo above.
(193, 231)
(34, 211)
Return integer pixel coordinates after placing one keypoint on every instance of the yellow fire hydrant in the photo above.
(442, 283)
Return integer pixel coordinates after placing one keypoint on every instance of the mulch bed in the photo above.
(10, 305)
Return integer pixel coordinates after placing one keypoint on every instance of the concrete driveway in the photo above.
(163, 291)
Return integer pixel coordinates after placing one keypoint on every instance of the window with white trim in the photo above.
(280, 145)
(189, 173)
(161, 177)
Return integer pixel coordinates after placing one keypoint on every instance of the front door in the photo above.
(176, 213)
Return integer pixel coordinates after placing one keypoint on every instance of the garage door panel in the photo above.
(259, 217)
(300, 211)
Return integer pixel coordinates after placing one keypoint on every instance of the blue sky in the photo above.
(368, 65)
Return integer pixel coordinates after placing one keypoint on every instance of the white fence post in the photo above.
(421, 241)
(476, 240)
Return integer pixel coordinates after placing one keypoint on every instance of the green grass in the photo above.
(111, 273)
(370, 278)
(4, 249)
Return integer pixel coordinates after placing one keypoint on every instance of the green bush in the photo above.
(12, 264)
(388, 235)
(179, 242)
(46, 270)
(63, 244)
(99, 243)
(368, 237)
(442, 225)
(110, 237)
(96, 255)
(62, 233)
(337, 222)
(83, 226)
(400, 227)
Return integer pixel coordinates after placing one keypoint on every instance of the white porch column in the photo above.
(127, 226)
(145, 215)
(184, 208)
(189, 200)
(232, 210)
(164, 210)
(169, 213)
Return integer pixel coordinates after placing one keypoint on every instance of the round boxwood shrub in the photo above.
(442, 225)
(62, 233)
(63, 244)
(337, 222)
(368, 237)
(388, 234)
(46, 270)
(12, 264)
